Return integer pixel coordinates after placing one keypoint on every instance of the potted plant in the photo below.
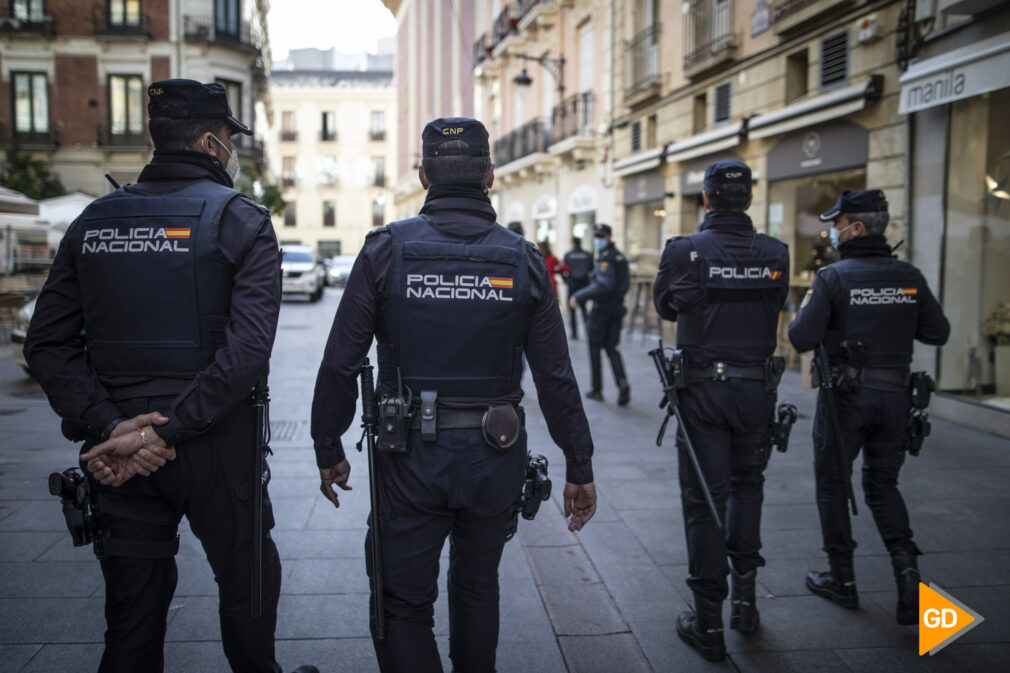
(997, 328)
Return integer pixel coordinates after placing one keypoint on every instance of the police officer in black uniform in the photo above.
(606, 290)
(155, 323)
(453, 300)
(725, 287)
(867, 310)
(578, 264)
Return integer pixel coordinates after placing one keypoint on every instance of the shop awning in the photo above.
(701, 144)
(643, 161)
(956, 74)
(816, 110)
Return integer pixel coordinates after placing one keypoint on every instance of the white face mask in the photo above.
(232, 168)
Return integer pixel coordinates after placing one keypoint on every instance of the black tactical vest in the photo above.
(743, 297)
(458, 310)
(155, 289)
(881, 300)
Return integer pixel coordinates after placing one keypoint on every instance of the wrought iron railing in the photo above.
(708, 30)
(528, 139)
(573, 117)
(643, 60)
(204, 29)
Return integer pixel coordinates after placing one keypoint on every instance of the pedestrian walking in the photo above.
(724, 286)
(606, 290)
(577, 267)
(866, 311)
(552, 263)
(154, 326)
(453, 300)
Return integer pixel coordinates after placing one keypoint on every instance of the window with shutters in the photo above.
(636, 136)
(31, 106)
(835, 60)
(126, 110)
(723, 108)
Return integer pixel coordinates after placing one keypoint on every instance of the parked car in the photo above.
(339, 269)
(19, 331)
(302, 272)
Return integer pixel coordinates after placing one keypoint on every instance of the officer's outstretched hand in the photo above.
(580, 504)
(572, 302)
(336, 475)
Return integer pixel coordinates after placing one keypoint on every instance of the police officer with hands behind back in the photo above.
(606, 290)
(453, 299)
(725, 287)
(866, 310)
(154, 325)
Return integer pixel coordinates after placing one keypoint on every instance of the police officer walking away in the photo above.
(453, 300)
(866, 310)
(155, 324)
(606, 290)
(725, 287)
(579, 265)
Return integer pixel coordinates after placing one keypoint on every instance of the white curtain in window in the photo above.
(22, 103)
(586, 58)
(40, 103)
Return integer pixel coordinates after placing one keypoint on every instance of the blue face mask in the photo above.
(600, 244)
(835, 234)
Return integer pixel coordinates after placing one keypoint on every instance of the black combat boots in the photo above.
(701, 628)
(743, 614)
(906, 574)
(837, 584)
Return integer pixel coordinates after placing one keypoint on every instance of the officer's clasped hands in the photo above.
(133, 448)
(336, 475)
(580, 504)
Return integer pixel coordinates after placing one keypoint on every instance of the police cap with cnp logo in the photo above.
(729, 175)
(603, 230)
(189, 99)
(862, 201)
(440, 131)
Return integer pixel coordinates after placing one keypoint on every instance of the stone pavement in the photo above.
(601, 600)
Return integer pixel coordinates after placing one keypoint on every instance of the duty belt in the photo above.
(721, 371)
(885, 379)
(457, 419)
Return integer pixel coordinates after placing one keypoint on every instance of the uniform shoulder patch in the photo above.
(533, 246)
(619, 258)
(377, 231)
(258, 206)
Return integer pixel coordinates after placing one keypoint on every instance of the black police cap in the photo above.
(862, 201)
(727, 173)
(189, 99)
(603, 230)
(470, 131)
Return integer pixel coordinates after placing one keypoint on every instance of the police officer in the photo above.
(579, 265)
(606, 290)
(725, 287)
(155, 323)
(867, 310)
(453, 300)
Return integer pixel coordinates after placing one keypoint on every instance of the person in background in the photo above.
(554, 265)
(576, 268)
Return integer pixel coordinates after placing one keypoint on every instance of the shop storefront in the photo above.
(644, 214)
(545, 213)
(958, 101)
(582, 206)
(807, 170)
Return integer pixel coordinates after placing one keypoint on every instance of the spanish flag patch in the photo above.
(909, 291)
(500, 282)
(177, 233)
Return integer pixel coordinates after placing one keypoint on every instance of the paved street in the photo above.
(602, 600)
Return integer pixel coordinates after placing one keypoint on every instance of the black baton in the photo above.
(670, 390)
(834, 427)
(370, 426)
(260, 403)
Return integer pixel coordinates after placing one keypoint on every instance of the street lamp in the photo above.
(554, 66)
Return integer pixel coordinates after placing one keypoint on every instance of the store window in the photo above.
(794, 207)
(976, 251)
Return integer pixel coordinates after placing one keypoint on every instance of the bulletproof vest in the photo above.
(881, 300)
(580, 263)
(743, 297)
(155, 288)
(458, 310)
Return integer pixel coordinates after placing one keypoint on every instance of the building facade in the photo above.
(434, 64)
(543, 76)
(74, 76)
(955, 95)
(331, 148)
